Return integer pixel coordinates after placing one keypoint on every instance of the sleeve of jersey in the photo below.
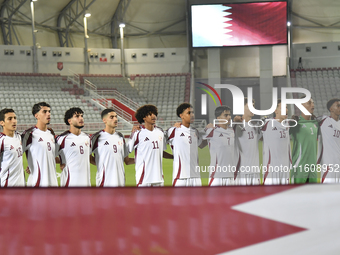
(126, 149)
(133, 142)
(199, 138)
(171, 134)
(26, 140)
(209, 133)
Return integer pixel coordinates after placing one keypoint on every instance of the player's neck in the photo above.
(8, 132)
(41, 126)
(306, 117)
(187, 125)
(110, 130)
(335, 117)
(225, 126)
(149, 126)
(74, 130)
(246, 118)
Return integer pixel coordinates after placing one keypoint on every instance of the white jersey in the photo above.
(109, 151)
(11, 168)
(276, 152)
(74, 151)
(329, 150)
(149, 147)
(40, 152)
(222, 152)
(184, 144)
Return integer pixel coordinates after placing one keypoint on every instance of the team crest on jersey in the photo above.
(87, 144)
(11, 147)
(221, 135)
(120, 143)
(182, 134)
(146, 139)
(73, 144)
(40, 140)
(160, 138)
(303, 125)
(106, 143)
(331, 126)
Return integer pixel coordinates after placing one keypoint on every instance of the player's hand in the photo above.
(135, 128)
(28, 170)
(238, 119)
(210, 125)
(62, 166)
(177, 124)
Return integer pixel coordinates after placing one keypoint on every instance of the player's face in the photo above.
(111, 119)
(247, 112)
(44, 115)
(77, 120)
(278, 111)
(10, 122)
(150, 119)
(225, 115)
(188, 116)
(309, 106)
(335, 108)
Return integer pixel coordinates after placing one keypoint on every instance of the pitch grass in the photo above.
(204, 160)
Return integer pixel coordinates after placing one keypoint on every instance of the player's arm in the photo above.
(129, 161)
(167, 155)
(92, 160)
(203, 144)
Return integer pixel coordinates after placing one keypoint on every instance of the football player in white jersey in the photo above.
(39, 144)
(247, 138)
(11, 167)
(110, 152)
(329, 144)
(221, 141)
(184, 141)
(149, 143)
(74, 150)
(276, 149)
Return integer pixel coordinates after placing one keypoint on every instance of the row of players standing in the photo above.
(236, 146)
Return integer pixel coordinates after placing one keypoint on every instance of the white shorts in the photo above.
(188, 182)
(226, 181)
(248, 179)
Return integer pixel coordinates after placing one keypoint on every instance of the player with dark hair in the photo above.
(110, 152)
(12, 170)
(304, 153)
(329, 143)
(39, 144)
(276, 149)
(247, 138)
(74, 150)
(184, 141)
(149, 144)
(222, 147)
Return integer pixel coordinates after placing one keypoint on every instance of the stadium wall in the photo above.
(317, 55)
(174, 60)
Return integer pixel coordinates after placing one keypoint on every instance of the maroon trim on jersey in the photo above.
(137, 140)
(62, 145)
(321, 122)
(211, 134)
(237, 167)
(324, 175)
(172, 134)
(68, 178)
(29, 139)
(6, 183)
(266, 174)
(39, 177)
(142, 176)
(213, 174)
(264, 128)
(103, 180)
(319, 159)
(179, 171)
(95, 144)
(2, 146)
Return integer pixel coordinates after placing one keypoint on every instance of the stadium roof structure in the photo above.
(143, 18)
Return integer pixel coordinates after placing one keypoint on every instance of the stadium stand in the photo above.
(22, 91)
(166, 91)
(321, 82)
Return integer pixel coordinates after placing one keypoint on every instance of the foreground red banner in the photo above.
(133, 220)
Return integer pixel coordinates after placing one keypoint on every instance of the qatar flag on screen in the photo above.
(221, 25)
